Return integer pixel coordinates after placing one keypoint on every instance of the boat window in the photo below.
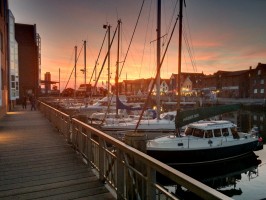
(217, 132)
(234, 133)
(225, 132)
(208, 134)
(169, 117)
(198, 133)
(189, 131)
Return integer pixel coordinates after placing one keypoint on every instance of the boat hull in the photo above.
(175, 157)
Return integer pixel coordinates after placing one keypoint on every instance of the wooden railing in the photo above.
(130, 173)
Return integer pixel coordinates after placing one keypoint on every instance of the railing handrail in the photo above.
(178, 177)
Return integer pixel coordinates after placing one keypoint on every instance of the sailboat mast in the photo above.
(179, 54)
(108, 76)
(85, 67)
(158, 57)
(117, 66)
(75, 84)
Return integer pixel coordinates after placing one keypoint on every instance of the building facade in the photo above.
(3, 58)
(12, 61)
(257, 86)
(29, 62)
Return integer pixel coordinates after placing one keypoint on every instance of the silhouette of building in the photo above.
(29, 59)
(47, 82)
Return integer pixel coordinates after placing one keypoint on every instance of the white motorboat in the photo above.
(204, 141)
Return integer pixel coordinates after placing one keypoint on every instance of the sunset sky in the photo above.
(222, 35)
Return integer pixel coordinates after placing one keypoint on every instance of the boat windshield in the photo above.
(188, 131)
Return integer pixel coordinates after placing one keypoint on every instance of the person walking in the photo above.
(33, 102)
(24, 102)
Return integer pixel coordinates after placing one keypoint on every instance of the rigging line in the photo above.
(169, 26)
(157, 74)
(145, 40)
(109, 48)
(131, 38)
(94, 69)
(73, 68)
(172, 17)
(71, 58)
(189, 50)
(189, 34)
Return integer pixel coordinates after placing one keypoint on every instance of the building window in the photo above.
(262, 81)
(259, 72)
(255, 91)
(262, 91)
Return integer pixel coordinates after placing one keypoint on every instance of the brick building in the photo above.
(29, 59)
(257, 79)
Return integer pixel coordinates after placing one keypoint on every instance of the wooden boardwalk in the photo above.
(37, 163)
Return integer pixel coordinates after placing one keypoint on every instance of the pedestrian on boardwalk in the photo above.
(24, 102)
(33, 102)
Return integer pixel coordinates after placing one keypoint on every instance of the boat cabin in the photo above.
(212, 129)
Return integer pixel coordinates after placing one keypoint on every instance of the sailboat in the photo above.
(164, 122)
(202, 141)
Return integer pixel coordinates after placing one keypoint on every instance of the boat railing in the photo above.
(128, 172)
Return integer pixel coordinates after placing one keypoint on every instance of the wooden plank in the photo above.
(36, 162)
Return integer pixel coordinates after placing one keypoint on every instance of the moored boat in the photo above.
(166, 123)
(204, 141)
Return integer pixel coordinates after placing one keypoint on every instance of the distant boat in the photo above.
(99, 106)
(165, 124)
(204, 141)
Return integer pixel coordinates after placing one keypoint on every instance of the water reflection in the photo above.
(247, 119)
(220, 176)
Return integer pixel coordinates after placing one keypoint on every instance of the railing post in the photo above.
(151, 180)
(89, 147)
(101, 159)
(138, 141)
(120, 176)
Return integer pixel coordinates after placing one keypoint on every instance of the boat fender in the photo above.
(210, 142)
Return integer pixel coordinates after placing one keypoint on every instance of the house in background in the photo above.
(189, 82)
(257, 79)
